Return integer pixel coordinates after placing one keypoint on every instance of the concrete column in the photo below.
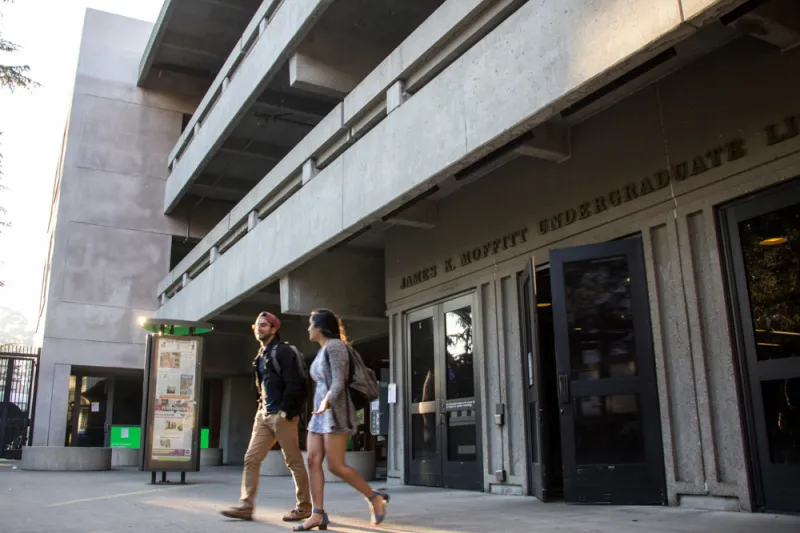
(50, 425)
(252, 220)
(185, 280)
(238, 412)
(262, 26)
(213, 254)
(225, 82)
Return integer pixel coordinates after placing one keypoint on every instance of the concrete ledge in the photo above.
(709, 503)
(124, 457)
(211, 457)
(61, 459)
(363, 462)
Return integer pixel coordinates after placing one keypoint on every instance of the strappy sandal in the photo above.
(378, 518)
(322, 525)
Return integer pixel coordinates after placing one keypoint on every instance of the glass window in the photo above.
(423, 370)
(608, 430)
(600, 318)
(458, 349)
(771, 252)
(782, 417)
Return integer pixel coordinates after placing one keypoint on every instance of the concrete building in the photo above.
(566, 232)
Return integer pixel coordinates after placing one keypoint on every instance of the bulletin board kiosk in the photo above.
(172, 394)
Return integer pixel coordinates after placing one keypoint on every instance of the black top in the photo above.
(286, 392)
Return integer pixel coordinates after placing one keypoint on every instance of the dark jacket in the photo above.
(285, 392)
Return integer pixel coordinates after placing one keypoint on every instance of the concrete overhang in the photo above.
(303, 61)
(191, 41)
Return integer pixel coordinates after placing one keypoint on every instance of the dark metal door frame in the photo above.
(537, 448)
(21, 365)
(751, 373)
(644, 384)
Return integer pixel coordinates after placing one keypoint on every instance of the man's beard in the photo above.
(263, 338)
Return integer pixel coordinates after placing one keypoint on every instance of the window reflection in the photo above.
(609, 430)
(600, 318)
(458, 344)
(782, 414)
(772, 265)
(423, 374)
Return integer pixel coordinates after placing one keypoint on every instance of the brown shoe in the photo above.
(295, 515)
(239, 513)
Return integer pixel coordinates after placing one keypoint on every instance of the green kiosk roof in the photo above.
(174, 327)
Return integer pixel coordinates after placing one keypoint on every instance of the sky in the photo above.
(32, 123)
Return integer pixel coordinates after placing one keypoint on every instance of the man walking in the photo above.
(281, 383)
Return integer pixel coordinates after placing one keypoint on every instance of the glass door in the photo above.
(425, 458)
(90, 427)
(444, 429)
(764, 241)
(607, 396)
(536, 306)
(459, 416)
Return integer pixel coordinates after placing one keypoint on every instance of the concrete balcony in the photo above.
(474, 77)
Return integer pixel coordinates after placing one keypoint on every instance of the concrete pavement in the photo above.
(123, 501)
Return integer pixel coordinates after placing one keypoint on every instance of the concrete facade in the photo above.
(110, 241)
(680, 118)
(491, 134)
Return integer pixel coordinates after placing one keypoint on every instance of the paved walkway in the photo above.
(124, 501)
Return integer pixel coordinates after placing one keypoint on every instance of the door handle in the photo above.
(563, 388)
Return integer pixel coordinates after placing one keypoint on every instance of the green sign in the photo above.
(125, 437)
(130, 436)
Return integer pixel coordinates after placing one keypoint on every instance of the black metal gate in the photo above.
(18, 367)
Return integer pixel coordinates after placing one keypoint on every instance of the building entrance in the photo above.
(593, 414)
(763, 238)
(444, 424)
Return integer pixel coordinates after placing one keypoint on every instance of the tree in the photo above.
(12, 77)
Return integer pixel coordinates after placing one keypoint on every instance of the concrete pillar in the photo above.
(50, 424)
(252, 220)
(213, 255)
(351, 283)
(185, 280)
(238, 412)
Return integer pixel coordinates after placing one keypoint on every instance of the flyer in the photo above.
(173, 423)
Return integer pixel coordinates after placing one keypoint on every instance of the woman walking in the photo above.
(333, 420)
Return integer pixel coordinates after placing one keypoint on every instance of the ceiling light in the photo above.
(774, 241)
(544, 304)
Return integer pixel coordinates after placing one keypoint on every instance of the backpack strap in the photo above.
(273, 357)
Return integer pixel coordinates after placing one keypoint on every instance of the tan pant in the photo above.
(266, 430)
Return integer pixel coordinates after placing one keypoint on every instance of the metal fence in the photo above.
(18, 371)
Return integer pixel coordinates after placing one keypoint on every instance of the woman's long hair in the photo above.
(329, 324)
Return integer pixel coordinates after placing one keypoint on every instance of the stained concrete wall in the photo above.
(110, 240)
(707, 123)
